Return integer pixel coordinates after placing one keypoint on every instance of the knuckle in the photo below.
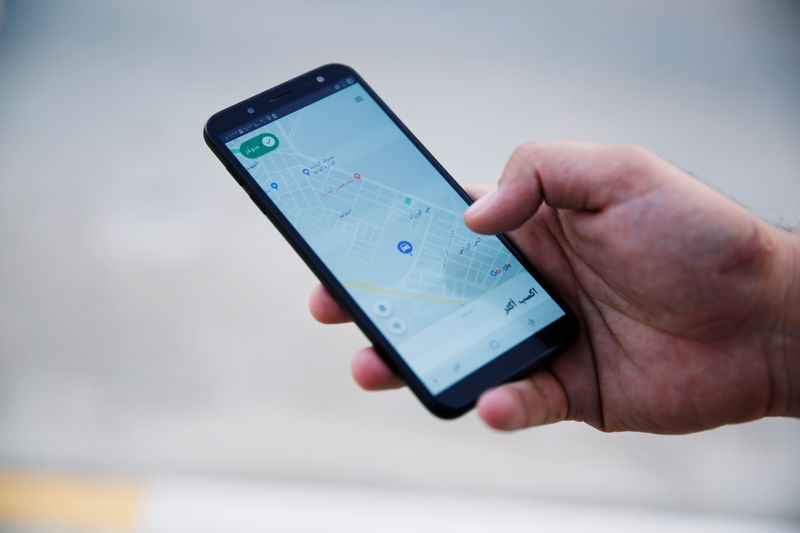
(633, 157)
(524, 151)
(631, 168)
(522, 157)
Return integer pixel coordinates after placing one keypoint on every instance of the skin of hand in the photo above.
(689, 305)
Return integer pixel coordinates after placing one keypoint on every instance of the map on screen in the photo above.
(388, 226)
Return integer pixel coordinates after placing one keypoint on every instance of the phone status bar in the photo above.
(291, 107)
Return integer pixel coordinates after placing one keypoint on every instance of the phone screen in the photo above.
(390, 228)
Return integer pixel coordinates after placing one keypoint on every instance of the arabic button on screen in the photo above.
(259, 145)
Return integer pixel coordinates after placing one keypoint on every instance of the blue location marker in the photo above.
(405, 247)
(274, 185)
(306, 171)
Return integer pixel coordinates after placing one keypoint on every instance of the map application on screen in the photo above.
(391, 229)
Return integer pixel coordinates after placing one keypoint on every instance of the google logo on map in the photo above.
(497, 271)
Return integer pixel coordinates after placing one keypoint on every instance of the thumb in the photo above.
(565, 175)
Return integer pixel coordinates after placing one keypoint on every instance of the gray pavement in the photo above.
(152, 321)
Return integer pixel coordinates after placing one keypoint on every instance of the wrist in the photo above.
(784, 336)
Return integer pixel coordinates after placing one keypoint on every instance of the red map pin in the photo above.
(357, 176)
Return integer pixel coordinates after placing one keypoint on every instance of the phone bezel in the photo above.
(462, 395)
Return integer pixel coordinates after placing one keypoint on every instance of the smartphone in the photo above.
(380, 223)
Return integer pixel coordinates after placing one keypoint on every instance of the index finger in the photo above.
(325, 309)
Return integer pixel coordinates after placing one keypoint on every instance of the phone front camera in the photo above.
(320, 79)
(251, 110)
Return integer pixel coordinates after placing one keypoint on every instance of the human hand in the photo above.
(689, 304)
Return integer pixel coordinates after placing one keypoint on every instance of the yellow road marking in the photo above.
(405, 294)
(360, 285)
(69, 503)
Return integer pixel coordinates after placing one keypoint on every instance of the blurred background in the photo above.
(158, 368)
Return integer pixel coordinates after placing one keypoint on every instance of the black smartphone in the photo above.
(380, 222)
